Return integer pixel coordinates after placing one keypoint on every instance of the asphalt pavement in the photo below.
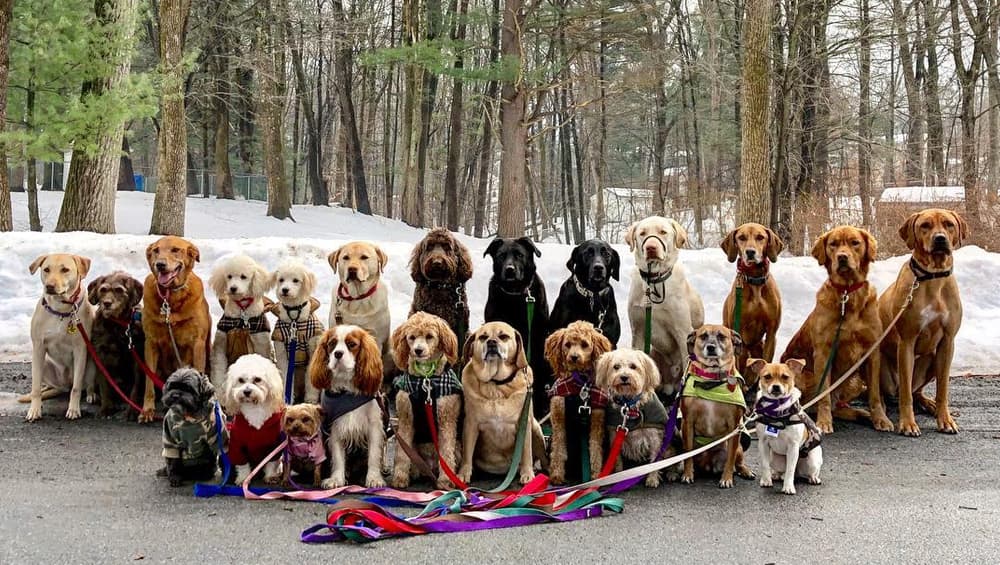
(85, 492)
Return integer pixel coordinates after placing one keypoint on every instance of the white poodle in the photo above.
(240, 284)
(254, 394)
(296, 313)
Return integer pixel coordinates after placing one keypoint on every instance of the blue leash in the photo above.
(220, 422)
(290, 371)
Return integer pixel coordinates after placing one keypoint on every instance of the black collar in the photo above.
(526, 291)
(444, 285)
(922, 274)
(508, 380)
(655, 278)
(296, 309)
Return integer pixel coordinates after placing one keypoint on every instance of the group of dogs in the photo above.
(460, 393)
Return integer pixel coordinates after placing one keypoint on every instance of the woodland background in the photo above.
(558, 119)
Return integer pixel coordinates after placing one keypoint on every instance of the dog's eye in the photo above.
(760, 237)
(784, 377)
(584, 345)
(482, 337)
(364, 257)
(855, 242)
(567, 345)
(256, 380)
(504, 337)
(352, 344)
(281, 280)
(241, 380)
(633, 366)
(229, 277)
(742, 237)
(663, 231)
(429, 337)
(64, 269)
(296, 281)
(618, 366)
(345, 258)
(119, 290)
(411, 337)
(925, 226)
(175, 250)
(243, 277)
(949, 225)
(45, 270)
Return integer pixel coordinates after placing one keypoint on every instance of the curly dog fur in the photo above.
(440, 265)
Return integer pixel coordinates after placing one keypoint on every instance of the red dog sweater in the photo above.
(249, 445)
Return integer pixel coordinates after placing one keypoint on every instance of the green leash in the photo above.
(649, 328)
(530, 303)
(585, 446)
(522, 429)
(833, 349)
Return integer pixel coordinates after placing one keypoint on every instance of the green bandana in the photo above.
(425, 369)
(719, 393)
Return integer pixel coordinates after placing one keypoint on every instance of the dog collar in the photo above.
(845, 290)
(297, 309)
(344, 294)
(586, 292)
(444, 285)
(745, 271)
(74, 300)
(164, 291)
(244, 303)
(582, 378)
(922, 274)
(425, 369)
(655, 278)
(508, 380)
(706, 374)
(776, 408)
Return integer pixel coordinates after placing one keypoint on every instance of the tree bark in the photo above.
(34, 222)
(223, 98)
(171, 147)
(428, 96)
(455, 124)
(913, 164)
(270, 106)
(513, 130)
(754, 196)
(486, 145)
(932, 100)
(348, 121)
(968, 75)
(6, 211)
(89, 202)
(411, 127)
(320, 196)
(126, 174)
(865, 116)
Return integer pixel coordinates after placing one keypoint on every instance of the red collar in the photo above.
(244, 303)
(706, 374)
(760, 269)
(845, 290)
(344, 294)
(75, 297)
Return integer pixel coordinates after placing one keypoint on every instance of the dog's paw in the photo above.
(374, 480)
(814, 480)
(745, 472)
(333, 482)
(788, 489)
(400, 480)
(91, 397)
(909, 428)
(653, 480)
(34, 412)
(825, 425)
(882, 424)
(946, 424)
(557, 479)
(687, 478)
(147, 415)
(465, 474)
(526, 477)
(272, 480)
(726, 483)
(765, 481)
(73, 413)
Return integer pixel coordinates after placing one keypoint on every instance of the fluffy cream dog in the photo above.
(788, 439)
(677, 308)
(426, 350)
(58, 355)
(254, 395)
(631, 377)
(495, 382)
(361, 299)
(347, 367)
(240, 283)
(296, 313)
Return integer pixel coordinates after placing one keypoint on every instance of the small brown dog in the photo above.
(713, 403)
(426, 350)
(115, 334)
(921, 345)
(754, 247)
(573, 352)
(849, 300)
(302, 425)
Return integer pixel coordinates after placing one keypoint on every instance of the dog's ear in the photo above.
(319, 369)
(630, 236)
(602, 372)
(193, 253)
(602, 344)
(333, 257)
(963, 227)
(553, 351)
(463, 270)
(467, 349)
(400, 347)
(819, 249)
(871, 249)
(368, 368)
(690, 342)
(729, 246)
(37, 263)
(616, 264)
(908, 231)
(82, 266)
(520, 359)
(737, 343)
(774, 245)
(95, 284)
(448, 340)
(416, 269)
(135, 292)
(229, 404)
(261, 282)
(755, 366)
(652, 372)
(382, 258)
(308, 282)
(217, 282)
(492, 247)
(680, 234)
(529, 245)
(207, 390)
(796, 365)
(574, 258)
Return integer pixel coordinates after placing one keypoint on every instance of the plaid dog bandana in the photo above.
(254, 325)
(573, 385)
(445, 384)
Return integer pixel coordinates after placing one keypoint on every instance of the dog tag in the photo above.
(71, 329)
(771, 431)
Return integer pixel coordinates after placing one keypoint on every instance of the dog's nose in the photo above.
(161, 265)
(491, 344)
(50, 288)
(338, 354)
(352, 270)
(232, 290)
(247, 392)
(711, 349)
(106, 303)
(419, 351)
(940, 239)
(574, 357)
(623, 379)
(842, 259)
(751, 253)
(775, 389)
(284, 291)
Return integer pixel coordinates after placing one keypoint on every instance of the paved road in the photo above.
(84, 492)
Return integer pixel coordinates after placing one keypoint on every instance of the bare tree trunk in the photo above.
(320, 197)
(171, 152)
(354, 153)
(755, 175)
(428, 96)
(270, 106)
(968, 75)
(223, 170)
(126, 174)
(411, 117)
(993, 111)
(513, 130)
(245, 122)
(455, 124)
(865, 117)
(34, 222)
(913, 165)
(6, 211)
(932, 100)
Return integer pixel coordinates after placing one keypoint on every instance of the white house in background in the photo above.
(923, 194)
(622, 206)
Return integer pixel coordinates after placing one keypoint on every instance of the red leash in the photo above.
(104, 370)
(616, 448)
(429, 412)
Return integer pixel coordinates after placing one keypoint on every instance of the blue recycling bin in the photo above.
(140, 183)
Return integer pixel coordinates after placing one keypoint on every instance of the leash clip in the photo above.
(584, 399)
(165, 311)
(623, 427)
(913, 289)
(843, 304)
(426, 385)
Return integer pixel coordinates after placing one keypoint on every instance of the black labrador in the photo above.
(514, 283)
(588, 295)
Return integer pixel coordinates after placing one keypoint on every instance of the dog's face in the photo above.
(655, 240)
(293, 282)
(752, 243)
(934, 232)
(594, 263)
(254, 380)
(496, 345)
(115, 295)
(188, 391)
(513, 259)
(61, 273)
(440, 257)
(575, 348)
(302, 420)
(347, 358)
(846, 252)
(423, 337)
(776, 379)
(172, 259)
(715, 346)
(238, 277)
(627, 373)
(358, 261)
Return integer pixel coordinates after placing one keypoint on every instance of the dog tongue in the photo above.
(165, 278)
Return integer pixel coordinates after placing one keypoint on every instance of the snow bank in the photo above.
(220, 228)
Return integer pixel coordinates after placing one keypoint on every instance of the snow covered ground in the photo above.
(223, 227)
